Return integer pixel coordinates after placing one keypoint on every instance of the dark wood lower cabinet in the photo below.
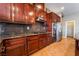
(15, 46)
(42, 41)
(26, 45)
(45, 40)
(0, 51)
(16, 50)
(49, 38)
(77, 48)
(77, 44)
(32, 44)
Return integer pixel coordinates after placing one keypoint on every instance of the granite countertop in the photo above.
(17, 36)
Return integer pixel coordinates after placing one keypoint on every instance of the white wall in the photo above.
(64, 29)
(76, 18)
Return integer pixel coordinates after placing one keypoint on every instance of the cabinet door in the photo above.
(39, 6)
(32, 46)
(15, 50)
(39, 10)
(5, 10)
(41, 14)
(77, 44)
(42, 41)
(58, 18)
(49, 22)
(29, 13)
(0, 51)
(15, 46)
(26, 46)
(0, 54)
(77, 47)
(50, 39)
(55, 17)
(19, 13)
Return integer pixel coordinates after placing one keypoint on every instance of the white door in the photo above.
(70, 29)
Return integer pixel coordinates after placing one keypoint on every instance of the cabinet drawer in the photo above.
(15, 41)
(32, 38)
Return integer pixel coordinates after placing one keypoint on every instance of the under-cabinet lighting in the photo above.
(39, 6)
(28, 27)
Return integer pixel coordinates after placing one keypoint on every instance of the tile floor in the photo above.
(66, 47)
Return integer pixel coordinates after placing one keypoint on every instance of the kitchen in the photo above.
(25, 28)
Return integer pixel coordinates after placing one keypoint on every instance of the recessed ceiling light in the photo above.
(39, 6)
(62, 8)
(31, 13)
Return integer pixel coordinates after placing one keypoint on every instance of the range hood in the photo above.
(40, 19)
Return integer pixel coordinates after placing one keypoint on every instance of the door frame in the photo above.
(73, 21)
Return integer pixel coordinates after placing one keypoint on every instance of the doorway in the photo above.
(71, 29)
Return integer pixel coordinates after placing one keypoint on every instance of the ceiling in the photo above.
(69, 8)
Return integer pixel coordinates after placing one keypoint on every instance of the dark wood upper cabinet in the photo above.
(55, 17)
(5, 12)
(41, 14)
(39, 10)
(49, 21)
(39, 6)
(29, 12)
(12, 12)
(58, 18)
(19, 13)
(24, 13)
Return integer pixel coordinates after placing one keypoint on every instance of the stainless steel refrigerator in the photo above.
(57, 31)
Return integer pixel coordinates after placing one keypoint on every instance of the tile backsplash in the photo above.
(7, 29)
